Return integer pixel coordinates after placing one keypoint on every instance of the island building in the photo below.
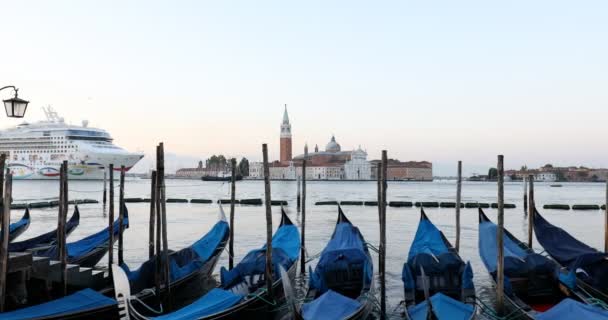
(201, 171)
(549, 173)
(333, 163)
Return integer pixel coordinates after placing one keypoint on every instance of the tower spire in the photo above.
(285, 116)
(285, 138)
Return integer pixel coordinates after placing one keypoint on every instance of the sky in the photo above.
(426, 80)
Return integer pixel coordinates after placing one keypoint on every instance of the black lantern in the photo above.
(15, 107)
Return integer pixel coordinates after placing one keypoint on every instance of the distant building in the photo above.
(545, 177)
(409, 170)
(197, 172)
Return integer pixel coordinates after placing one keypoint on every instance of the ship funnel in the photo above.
(85, 123)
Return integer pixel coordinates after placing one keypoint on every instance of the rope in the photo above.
(259, 296)
(490, 313)
(371, 246)
(135, 298)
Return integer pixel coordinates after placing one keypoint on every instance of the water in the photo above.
(187, 222)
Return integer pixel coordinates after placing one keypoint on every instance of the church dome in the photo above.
(332, 146)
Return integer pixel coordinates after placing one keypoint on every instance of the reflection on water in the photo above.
(188, 222)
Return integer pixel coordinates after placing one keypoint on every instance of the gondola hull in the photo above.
(184, 291)
(19, 226)
(257, 308)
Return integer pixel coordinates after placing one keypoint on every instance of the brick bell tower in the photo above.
(285, 138)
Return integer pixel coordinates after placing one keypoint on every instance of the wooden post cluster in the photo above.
(383, 237)
(531, 208)
(152, 215)
(62, 220)
(6, 219)
(458, 200)
(303, 241)
(121, 215)
(232, 201)
(268, 204)
(111, 221)
(500, 277)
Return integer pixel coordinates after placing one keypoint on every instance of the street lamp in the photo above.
(15, 107)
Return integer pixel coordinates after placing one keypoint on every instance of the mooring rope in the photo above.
(492, 314)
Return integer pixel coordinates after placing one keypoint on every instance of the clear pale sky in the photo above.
(427, 80)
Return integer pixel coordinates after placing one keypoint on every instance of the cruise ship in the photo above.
(36, 150)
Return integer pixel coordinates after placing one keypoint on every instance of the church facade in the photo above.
(332, 163)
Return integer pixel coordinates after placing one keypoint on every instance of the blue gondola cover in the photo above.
(467, 277)
(345, 248)
(428, 239)
(83, 246)
(182, 262)
(560, 244)
(329, 306)
(285, 251)
(444, 308)
(213, 302)
(569, 309)
(83, 300)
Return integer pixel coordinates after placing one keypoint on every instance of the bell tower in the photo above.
(285, 138)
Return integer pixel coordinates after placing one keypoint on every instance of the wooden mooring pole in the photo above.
(379, 185)
(606, 219)
(458, 200)
(163, 215)
(298, 193)
(111, 220)
(383, 238)
(526, 195)
(105, 182)
(531, 209)
(159, 221)
(152, 215)
(121, 214)
(63, 214)
(268, 204)
(303, 241)
(500, 277)
(232, 201)
(6, 220)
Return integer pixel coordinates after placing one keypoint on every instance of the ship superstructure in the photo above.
(36, 150)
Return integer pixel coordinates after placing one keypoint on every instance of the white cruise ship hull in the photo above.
(92, 170)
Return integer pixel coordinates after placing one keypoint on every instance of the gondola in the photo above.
(19, 227)
(531, 280)
(88, 251)
(434, 271)
(221, 178)
(189, 269)
(341, 286)
(587, 267)
(242, 293)
(46, 239)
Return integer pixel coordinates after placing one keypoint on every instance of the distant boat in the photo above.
(221, 178)
(556, 185)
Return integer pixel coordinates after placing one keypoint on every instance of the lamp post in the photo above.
(15, 107)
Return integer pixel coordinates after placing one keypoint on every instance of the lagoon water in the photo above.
(188, 222)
